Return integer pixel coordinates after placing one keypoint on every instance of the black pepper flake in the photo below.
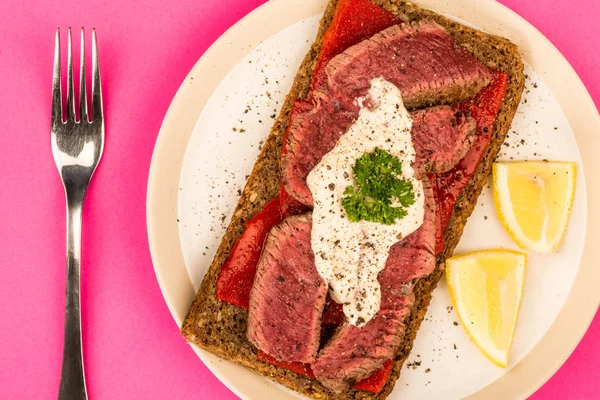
(280, 278)
(486, 130)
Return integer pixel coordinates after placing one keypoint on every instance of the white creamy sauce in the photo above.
(349, 255)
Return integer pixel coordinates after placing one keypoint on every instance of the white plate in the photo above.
(251, 68)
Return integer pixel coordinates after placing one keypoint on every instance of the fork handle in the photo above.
(72, 381)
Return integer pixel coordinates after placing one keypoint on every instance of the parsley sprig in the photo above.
(379, 194)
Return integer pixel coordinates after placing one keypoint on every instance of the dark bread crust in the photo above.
(220, 327)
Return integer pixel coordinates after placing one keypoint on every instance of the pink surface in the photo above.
(132, 346)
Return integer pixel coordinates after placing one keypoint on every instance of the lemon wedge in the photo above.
(534, 201)
(486, 288)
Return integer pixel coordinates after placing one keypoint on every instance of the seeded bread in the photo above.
(220, 327)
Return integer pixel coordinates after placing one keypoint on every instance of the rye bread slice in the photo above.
(220, 327)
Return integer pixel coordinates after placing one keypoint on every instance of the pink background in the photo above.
(132, 346)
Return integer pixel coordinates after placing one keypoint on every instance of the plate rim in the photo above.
(182, 115)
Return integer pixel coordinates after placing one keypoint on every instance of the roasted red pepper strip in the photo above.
(483, 108)
(297, 367)
(373, 383)
(237, 272)
(377, 380)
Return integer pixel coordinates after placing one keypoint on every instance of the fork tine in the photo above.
(56, 84)
(96, 87)
(83, 114)
(70, 88)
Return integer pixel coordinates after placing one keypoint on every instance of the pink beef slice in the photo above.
(420, 58)
(441, 136)
(288, 295)
(312, 134)
(422, 61)
(355, 353)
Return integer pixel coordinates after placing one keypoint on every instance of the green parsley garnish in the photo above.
(380, 194)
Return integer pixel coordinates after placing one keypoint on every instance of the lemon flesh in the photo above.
(486, 288)
(534, 201)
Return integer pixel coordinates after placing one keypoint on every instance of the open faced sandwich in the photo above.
(358, 197)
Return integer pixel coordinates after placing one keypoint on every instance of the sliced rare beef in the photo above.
(420, 58)
(288, 295)
(312, 134)
(442, 136)
(355, 353)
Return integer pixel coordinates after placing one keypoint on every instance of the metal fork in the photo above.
(77, 147)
